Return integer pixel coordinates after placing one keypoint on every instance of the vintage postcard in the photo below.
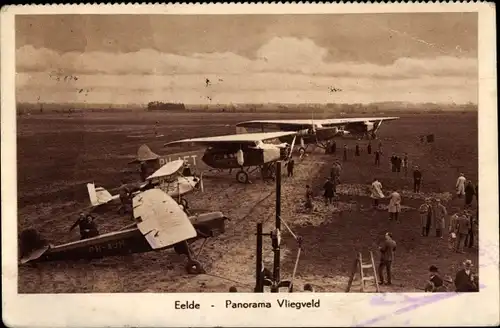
(249, 165)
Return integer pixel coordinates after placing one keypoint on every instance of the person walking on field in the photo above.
(425, 211)
(376, 192)
(377, 158)
(460, 185)
(345, 153)
(463, 227)
(309, 197)
(417, 179)
(405, 164)
(329, 191)
(386, 258)
(289, 167)
(369, 148)
(334, 147)
(440, 217)
(469, 193)
(394, 207)
(357, 149)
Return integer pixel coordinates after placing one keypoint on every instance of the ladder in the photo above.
(359, 267)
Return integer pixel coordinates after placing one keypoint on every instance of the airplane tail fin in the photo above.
(31, 245)
(98, 195)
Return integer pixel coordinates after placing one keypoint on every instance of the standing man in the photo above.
(357, 149)
(465, 280)
(393, 163)
(377, 158)
(335, 172)
(329, 191)
(417, 179)
(376, 193)
(386, 257)
(334, 147)
(345, 153)
(398, 164)
(440, 213)
(369, 148)
(394, 207)
(289, 167)
(405, 164)
(463, 227)
(469, 193)
(470, 236)
(425, 211)
(309, 197)
(460, 185)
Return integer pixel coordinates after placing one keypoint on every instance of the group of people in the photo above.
(87, 225)
(399, 162)
(465, 281)
(394, 207)
(331, 148)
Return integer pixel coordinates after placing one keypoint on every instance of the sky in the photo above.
(222, 59)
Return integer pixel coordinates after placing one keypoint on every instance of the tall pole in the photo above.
(276, 238)
(259, 283)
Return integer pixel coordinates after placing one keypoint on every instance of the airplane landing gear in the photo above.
(194, 267)
(242, 176)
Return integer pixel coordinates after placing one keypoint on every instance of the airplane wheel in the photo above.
(242, 177)
(194, 267)
(184, 203)
(302, 151)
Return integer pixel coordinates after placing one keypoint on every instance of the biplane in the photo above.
(251, 151)
(160, 223)
(168, 178)
(318, 132)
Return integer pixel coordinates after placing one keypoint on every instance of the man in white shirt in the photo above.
(376, 192)
(460, 185)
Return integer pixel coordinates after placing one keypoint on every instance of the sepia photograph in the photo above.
(250, 153)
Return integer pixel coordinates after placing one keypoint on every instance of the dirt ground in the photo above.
(58, 154)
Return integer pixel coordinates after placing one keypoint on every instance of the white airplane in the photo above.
(319, 131)
(167, 178)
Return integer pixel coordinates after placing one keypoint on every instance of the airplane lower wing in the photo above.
(160, 219)
(247, 139)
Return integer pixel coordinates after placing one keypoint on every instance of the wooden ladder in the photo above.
(359, 266)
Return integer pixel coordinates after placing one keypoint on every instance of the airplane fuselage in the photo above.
(226, 158)
(125, 242)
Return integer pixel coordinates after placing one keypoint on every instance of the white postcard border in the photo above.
(337, 309)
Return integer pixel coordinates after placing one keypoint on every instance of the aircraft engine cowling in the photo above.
(240, 158)
(369, 126)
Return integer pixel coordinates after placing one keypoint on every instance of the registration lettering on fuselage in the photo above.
(107, 246)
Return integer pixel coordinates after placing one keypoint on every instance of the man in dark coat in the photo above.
(345, 153)
(369, 148)
(334, 147)
(417, 179)
(465, 280)
(377, 157)
(329, 191)
(88, 227)
(469, 193)
(435, 282)
(289, 167)
(386, 257)
(357, 150)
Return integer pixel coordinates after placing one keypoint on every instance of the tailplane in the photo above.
(98, 195)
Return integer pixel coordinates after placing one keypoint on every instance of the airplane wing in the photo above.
(167, 170)
(342, 121)
(286, 125)
(249, 139)
(161, 220)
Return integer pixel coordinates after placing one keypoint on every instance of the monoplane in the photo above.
(318, 132)
(239, 151)
(160, 223)
(168, 178)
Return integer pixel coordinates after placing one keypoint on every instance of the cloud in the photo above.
(284, 66)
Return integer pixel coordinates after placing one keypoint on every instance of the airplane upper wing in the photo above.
(341, 121)
(250, 139)
(305, 123)
(162, 222)
(167, 169)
